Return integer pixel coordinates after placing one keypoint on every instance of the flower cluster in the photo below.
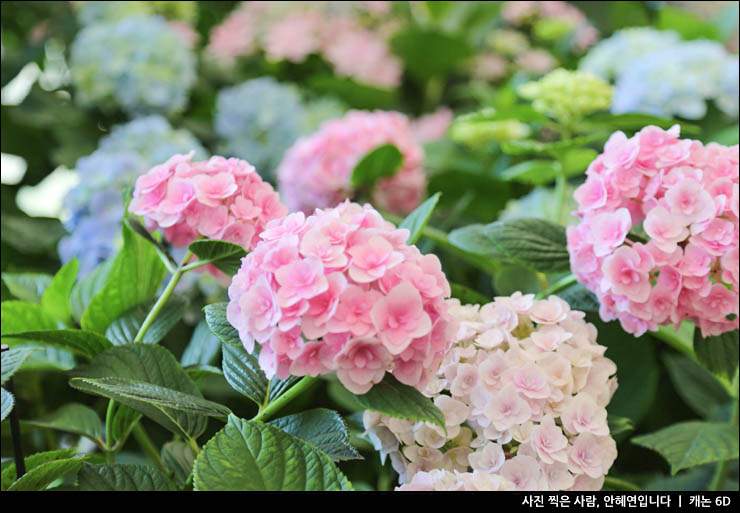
(684, 195)
(432, 126)
(101, 11)
(568, 95)
(316, 171)
(552, 20)
(218, 198)
(340, 290)
(524, 391)
(257, 121)
(293, 30)
(657, 73)
(139, 64)
(95, 205)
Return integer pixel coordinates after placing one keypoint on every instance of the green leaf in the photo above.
(719, 354)
(72, 418)
(250, 455)
(85, 289)
(637, 121)
(576, 161)
(200, 372)
(125, 372)
(166, 258)
(417, 220)
(124, 478)
(219, 325)
(124, 420)
(321, 428)
(35, 460)
(7, 403)
(580, 298)
(619, 425)
(33, 235)
(535, 243)
(552, 148)
(179, 459)
(83, 343)
(392, 398)
(226, 256)
(689, 444)
(203, 348)
(11, 361)
(533, 172)
(55, 299)
(134, 278)
(27, 286)
(697, 387)
(382, 162)
(686, 24)
(124, 329)
(43, 475)
(427, 52)
(468, 296)
(510, 278)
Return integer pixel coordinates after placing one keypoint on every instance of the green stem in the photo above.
(194, 445)
(559, 285)
(723, 467)
(284, 399)
(614, 483)
(147, 445)
(109, 427)
(162, 299)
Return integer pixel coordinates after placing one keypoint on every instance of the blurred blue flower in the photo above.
(95, 205)
(257, 121)
(139, 64)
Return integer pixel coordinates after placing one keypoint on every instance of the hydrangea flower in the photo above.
(257, 121)
(568, 95)
(678, 80)
(547, 14)
(96, 204)
(138, 64)
(684, 196)
(524, 391)
(341, 291)
(218, 198)
(316, 171)
(103, 11)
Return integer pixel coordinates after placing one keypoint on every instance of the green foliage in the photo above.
(690, 27)
(39, 478)
(179, 458)
(417, 220)
(12, 360)
(7, 401)
(250, 455)
(84, 343)
(124, 478)
(323, 429)
(27, 286)
(429, 53)
(203, 347)
(226, 256)
(73, 418)
(123, 330)
(55, 299)
(689, 444)
(719, 353)
(381, 162)
(86, 288)
(697, 387)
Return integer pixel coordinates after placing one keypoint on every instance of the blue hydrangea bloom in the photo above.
(257, 121)
(139, 64)
(96, 204)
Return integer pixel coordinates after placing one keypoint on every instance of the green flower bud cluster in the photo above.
(478, 129)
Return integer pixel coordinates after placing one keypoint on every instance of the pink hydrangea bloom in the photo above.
(316, 171)
(218, 198)
(521, 12)
(338, 290)
(684, 196)
(430, 127)
(524, 391)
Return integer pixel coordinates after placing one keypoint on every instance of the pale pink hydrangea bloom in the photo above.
(524, 391)
(489, 66)
(341, 291)
(685, 196)
(517, 13)
(218, 198)
(236, 36)
(293, 37)
(316, 171)
(187, 34)
(536, 61)
(432, 126)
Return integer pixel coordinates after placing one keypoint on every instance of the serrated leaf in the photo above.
(124, 478)
(689, 444)
(124, 420)
(8, 401)
(250, 455)
(43, 475)
(696, 386)
(9, 474)
(72, 418)
(382, 162)
(534, 243)
(55, 299)
(179, 459)
(124, 329)
(719, 354)
(134, 278)
(468, 296)
(200, 372)
(417, 220)
(241, 369)
(580, 298)
(11, 361)
(203, 348)
(226, 256)
(27, 286)
(83, 343)
(393, 398)
(321, 428)
(86, 288)
(134, 365)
